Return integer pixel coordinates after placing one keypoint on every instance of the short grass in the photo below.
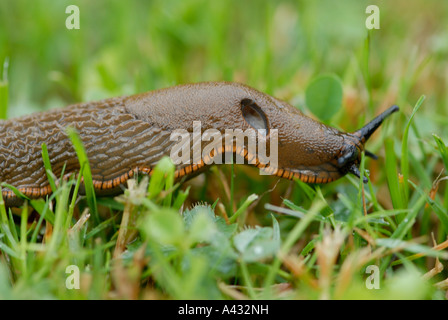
(231, 233)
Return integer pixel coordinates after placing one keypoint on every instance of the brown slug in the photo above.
(126, 135)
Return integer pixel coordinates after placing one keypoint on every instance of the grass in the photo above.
(239, 234)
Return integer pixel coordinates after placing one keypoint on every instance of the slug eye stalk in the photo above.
(364, 134)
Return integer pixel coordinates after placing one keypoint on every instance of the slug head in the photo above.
(350, 157)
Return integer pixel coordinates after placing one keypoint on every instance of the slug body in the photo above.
(127, 135)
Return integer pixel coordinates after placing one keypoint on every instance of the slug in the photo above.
(128, 135)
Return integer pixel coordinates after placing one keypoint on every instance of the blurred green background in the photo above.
(125, 47)
(279, 47)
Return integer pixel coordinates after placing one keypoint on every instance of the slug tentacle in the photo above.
(355, 170)
(128, 135)
(365, 132)
(371, 155)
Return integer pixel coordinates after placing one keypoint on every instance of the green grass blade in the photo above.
(15, 190)
(180, 199)
(3, 216)
(23, 238)
(41, 206)
(443, 150)
(405, 151)
(87, 173)
(75, 195)
(4, 91)
(162, 176)
(47, 165)
(439, 211)
(404, 227)
(392, 175)
(243, 207)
